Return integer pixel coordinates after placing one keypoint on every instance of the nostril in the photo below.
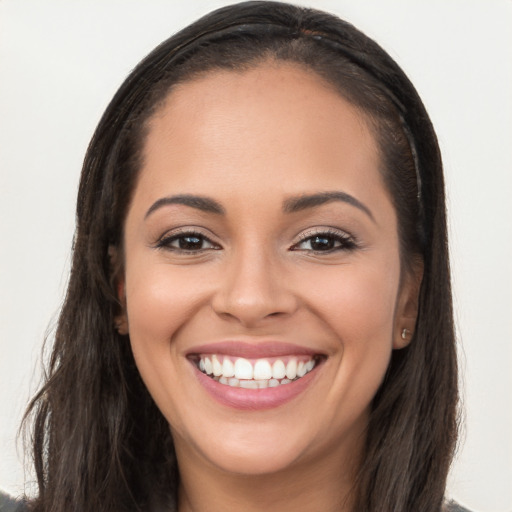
(277, 313)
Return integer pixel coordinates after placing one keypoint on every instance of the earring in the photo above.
(405, 333)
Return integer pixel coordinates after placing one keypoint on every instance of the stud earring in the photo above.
(405, 333)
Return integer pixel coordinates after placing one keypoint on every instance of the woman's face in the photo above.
(262, 279)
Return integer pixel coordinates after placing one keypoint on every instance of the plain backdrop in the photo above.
(61, 62)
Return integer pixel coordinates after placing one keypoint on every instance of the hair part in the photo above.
(99, 441)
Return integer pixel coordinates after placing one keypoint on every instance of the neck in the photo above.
(325, 484)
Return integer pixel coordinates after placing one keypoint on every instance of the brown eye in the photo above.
(325, 242)
(187, 242)
(322, 243)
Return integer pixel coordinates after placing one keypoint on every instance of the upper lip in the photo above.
(255, 350)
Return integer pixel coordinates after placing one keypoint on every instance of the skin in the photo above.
(251, 140)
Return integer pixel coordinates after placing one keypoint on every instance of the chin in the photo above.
(262, 448)
(253, 458)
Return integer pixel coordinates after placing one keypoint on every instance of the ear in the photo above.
(407, 306)
(117, 282)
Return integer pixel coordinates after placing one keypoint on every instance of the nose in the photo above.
(254, 287)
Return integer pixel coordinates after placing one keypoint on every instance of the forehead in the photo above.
(276, 123)
(271, 89)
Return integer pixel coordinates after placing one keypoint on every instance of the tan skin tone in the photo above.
(251, 141)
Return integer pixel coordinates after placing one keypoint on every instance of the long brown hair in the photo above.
(99, 441)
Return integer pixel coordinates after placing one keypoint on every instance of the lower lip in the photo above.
(254, 399)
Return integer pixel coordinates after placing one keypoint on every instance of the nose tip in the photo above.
(250, 312)
(254, 292)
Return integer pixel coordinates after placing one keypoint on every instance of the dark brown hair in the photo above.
(99, 441)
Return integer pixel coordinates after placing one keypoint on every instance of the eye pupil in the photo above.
(189, 243)
(319, 243)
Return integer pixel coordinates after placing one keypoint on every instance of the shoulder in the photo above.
(455, 507)
(8, 504)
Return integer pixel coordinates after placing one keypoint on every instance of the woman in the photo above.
(259, 311)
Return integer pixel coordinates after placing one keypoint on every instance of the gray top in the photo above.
(455, 507)
(8, 504)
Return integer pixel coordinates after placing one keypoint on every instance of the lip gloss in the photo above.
(254, 399)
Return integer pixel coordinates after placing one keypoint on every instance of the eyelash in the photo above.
(166, 241)
(345, 242)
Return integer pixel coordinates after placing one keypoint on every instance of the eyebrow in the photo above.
(303, 202)
(205, 204)
(290, 205)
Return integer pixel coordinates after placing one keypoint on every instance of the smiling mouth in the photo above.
(255, 373)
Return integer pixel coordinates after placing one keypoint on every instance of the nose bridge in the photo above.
(253, 286)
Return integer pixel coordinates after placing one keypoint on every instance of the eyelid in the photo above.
(164, 241)
(348, 241)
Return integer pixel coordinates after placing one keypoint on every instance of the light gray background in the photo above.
(60, 63)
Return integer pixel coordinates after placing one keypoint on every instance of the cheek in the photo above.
(159, 302)
(358, 302)
(357, 306)
(160, 298)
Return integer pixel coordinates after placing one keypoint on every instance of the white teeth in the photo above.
(228, 368)
(233, 382)
(262, 369)
(291, 369)
(249, 384)
(278, 369)
(254, 374)
(216, 366)
(243, 369)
